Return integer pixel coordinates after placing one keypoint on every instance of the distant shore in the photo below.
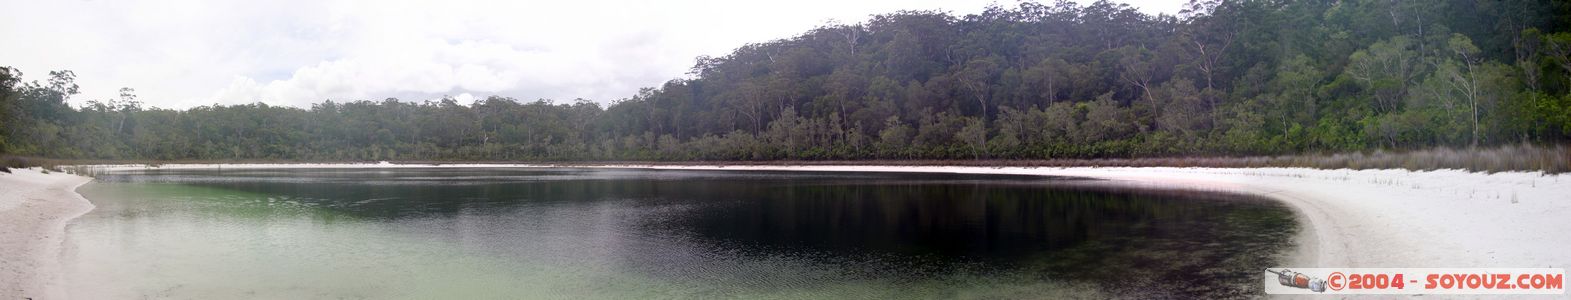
(1552, 159)
(34, 210)
(1351, 218)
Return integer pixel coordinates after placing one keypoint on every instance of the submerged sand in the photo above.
(34, 210)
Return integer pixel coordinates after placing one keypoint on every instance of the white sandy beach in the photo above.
(34, 209)
(1369, 218)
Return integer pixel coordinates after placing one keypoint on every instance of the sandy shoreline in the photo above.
(1351, 218)
(34, 210)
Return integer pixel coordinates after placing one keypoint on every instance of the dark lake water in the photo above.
(619, 233)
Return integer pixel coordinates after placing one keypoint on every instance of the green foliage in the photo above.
(9, 77)
(1032, 81)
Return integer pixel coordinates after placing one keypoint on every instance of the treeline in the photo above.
(1025, 82)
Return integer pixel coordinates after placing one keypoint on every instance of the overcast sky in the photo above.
(184, 53)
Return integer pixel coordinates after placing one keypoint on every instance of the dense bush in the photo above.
(1224, 78)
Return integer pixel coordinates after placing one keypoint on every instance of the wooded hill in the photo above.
(1030, 81)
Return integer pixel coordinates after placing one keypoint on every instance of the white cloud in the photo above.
(183, 53)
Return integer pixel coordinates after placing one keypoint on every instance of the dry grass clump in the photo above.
(1551, 159)
(17, 162)
(11, 162)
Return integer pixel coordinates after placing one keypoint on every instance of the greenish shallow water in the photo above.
(610, 233)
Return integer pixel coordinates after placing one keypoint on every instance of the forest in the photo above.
(1025, 81)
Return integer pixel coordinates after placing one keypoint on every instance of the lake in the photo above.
(465, 233)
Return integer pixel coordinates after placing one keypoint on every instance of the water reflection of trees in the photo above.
(949, 219)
